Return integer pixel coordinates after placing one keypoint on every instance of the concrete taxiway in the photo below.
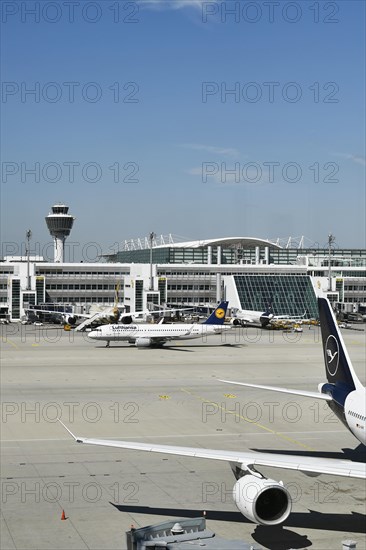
(169, 395)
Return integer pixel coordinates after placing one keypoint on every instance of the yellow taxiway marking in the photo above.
(230, 395)
(11, 343)
(35, 345)
(164, 396)
(274, 432)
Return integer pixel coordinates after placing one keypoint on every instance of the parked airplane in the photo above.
(108, 315)
(125, 318)
(255, 318)
(266, 501)
(264, 319)
(146, 335)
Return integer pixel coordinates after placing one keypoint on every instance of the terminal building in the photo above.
(248, 272)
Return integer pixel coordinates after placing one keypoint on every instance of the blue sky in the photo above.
(138, 103)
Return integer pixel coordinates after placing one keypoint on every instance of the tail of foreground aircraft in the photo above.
(217, 317)
(338, 365)
(341, 377)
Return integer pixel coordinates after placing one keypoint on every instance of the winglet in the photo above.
(77, 439)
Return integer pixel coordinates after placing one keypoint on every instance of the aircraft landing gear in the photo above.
(107, 344)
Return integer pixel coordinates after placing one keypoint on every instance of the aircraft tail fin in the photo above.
(217, 317)
(268, 312)
(338, 365)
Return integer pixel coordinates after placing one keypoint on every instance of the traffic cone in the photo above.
(63, 516)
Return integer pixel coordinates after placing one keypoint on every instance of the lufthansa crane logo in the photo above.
(220, 313)
(332, 355)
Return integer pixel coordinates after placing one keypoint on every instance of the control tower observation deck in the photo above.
(59, 223)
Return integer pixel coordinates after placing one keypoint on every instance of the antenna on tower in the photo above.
(152, 238)
(59, 224)
(331, 241)
(28, 236)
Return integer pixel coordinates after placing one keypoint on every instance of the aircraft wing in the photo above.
(159, 338)
(304, 393)
(104, 314)
(247, 459)
(166, 310)
(82, 315)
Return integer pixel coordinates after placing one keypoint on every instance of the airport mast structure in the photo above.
(331, 241)
(152, 237)
(28, 236)
(59, 223)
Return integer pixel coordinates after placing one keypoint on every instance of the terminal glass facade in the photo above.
(290, 294)
(139, 289)
(40, 289)
(15, 298)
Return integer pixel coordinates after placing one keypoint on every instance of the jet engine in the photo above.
(265, 320)
(126, 319)
(264, 501)
(143, 342)
(70, 319)
(236, 322)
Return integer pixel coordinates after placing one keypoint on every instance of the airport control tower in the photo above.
(59, 224)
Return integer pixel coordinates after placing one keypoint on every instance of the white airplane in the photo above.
(266, 501)
(249, 317)
(263, 318)
(113, 315)
(108, 315)
(146, 335)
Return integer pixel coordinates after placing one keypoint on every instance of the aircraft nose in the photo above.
(92, 334)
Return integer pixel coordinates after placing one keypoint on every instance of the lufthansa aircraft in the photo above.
(146, 335)
(263, 318)
(256, 318)
(266, 501)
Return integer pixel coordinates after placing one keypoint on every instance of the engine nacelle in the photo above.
(265, 320)
(126, 319)
(264, 501)
(143, 342)
(70, 319)
(235, 322)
